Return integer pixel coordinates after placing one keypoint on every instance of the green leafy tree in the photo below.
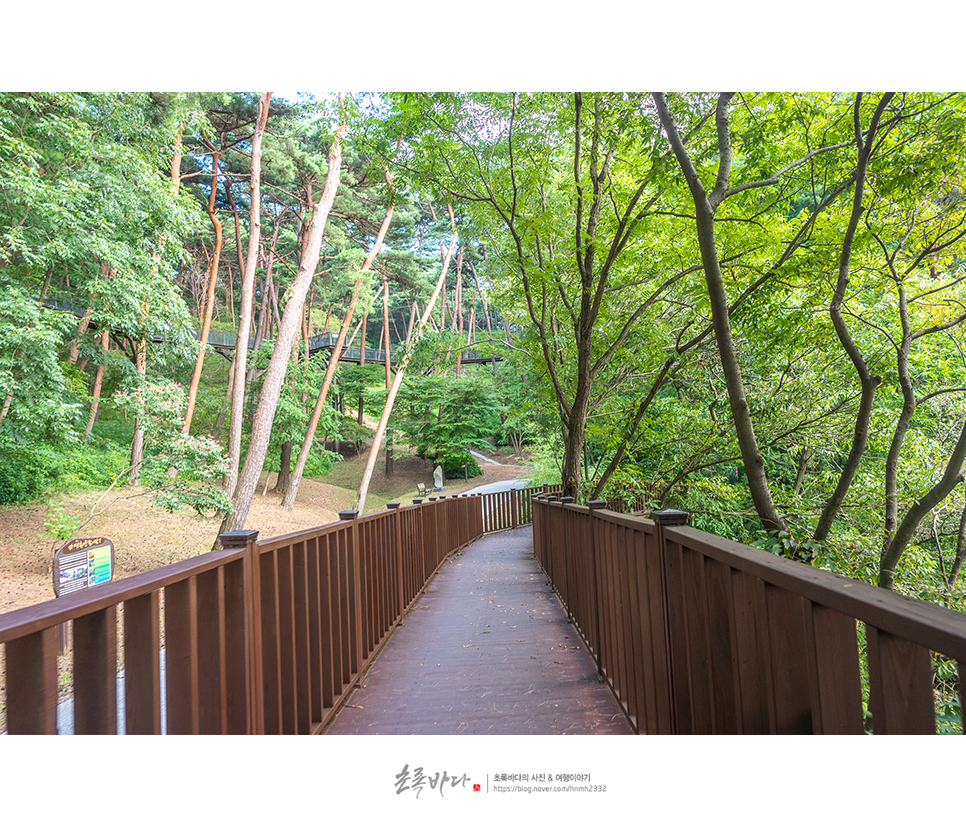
(442, 415)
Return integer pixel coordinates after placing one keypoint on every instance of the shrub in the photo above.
(26, 472)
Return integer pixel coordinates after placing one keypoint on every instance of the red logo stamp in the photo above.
(476, 787)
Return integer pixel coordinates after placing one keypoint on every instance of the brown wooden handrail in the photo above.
(698, 634)
(267, 638)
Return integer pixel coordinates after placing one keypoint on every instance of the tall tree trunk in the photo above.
(705, 206)
(240, 363)
(137, 444)
(284, 468)
(330, 370)
(486, 309)
(400, 373)
(275, 374)
(210, 299)
(385, 327)
(82, 326)
(458, 302)
(412, 323)
(98, 381)
(868, 382)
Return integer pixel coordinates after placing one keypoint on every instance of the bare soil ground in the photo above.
(147, 537)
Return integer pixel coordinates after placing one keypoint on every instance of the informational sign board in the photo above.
(82, 563)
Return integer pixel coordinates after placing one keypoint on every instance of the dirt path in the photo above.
(147, 537)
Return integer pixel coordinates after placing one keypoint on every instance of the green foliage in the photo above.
(29, 471)
(25, 471)
(319, 462)
(88, 221)
(59, 523)
(441, 415)
(176, 466)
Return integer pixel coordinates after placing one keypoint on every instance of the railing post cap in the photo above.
(237, 538)
(670, 518)
(552, 497)
(392, 505)
(566, 499)
(432, 497)
(348, 515)
(597, 504)
(417, 500)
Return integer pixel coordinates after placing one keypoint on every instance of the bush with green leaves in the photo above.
(442, 415)
(25, 471)
(176, 466)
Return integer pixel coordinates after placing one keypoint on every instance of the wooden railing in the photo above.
(512, 508)
(698, 634)
(260, 637)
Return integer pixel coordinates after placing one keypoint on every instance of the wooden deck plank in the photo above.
(485, 650)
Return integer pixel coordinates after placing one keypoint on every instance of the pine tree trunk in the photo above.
(292, 491)
(210, 299)
(137, 444)
(458, 303)
(385, 327)
(400, 373)
(239, 365)
(275, 373)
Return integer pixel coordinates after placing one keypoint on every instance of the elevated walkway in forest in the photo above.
(449, 616)
(487, 649)
(224, 343)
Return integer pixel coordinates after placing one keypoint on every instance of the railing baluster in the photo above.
(95, 673)
(900, 685)
(209, 612)
(271, 677)
(721, 627)
(142, 666)
(789, 669)
(752, 658)
(181, 657)
(837, 687)
(31, 669)
(238, 636)
(301, 648)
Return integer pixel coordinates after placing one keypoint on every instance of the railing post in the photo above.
(675, 628)
(568, 590)
(248, 672)
(353, 516)
(550, 544)
(400, 597)
(514, 513)
(595, 507)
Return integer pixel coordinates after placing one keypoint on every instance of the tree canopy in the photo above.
(750, 305)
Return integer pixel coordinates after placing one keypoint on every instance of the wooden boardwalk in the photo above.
(487, 650)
